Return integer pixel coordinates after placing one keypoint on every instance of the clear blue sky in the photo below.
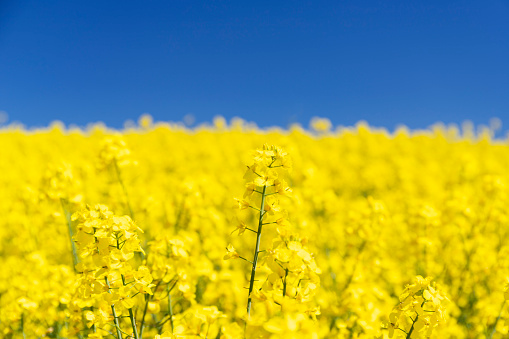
(272, 62)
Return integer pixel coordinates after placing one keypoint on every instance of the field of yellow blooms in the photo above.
(229, 231)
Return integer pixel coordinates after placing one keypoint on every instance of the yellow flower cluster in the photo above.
(420, 310)
(107, 282)
(291, 274)
(122, 234)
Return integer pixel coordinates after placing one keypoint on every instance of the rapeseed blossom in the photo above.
(125, 233)
(291, 274)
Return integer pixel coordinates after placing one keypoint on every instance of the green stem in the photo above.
(257, 248)
(496, 321)
(133, 323)
(22, 325)
(131, 315)
(409, 334)
(94, 328)
(147, 300)
(71, 234)
(284, 282)
(115, 318)
(170, 307)
(249, 261)
(58, 329)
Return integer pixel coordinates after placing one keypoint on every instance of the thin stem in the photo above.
(284, 282)
(69, 228)
(58, 329)
(170, 307)
(496, 321)
(257, 174)
(257, 248)
(115, 318)
(22, 325)
(94, 328)
(133, 323)
(238, 229)
(127, 334)
(131, 315)
(148, 298)
(409, 334)
(249, 261)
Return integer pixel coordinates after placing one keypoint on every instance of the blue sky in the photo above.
(271, 62)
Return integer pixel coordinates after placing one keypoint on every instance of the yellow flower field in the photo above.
(230, 231)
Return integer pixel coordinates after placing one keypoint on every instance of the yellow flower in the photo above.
(242, 204)
(241, 228)
(231, 253)
(266, 178)
(250, 188)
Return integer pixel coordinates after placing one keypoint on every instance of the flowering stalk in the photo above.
(107, 243)
(257, 249)
(263, 188)
(422, 303)
(414, 321)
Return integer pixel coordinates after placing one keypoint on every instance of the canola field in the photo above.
(230, 231)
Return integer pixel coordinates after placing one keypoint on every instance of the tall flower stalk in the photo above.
(257, 250)
(107, 281)
(420, 310)
(262, 189)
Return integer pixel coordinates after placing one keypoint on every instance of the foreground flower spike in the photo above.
(262, 191)
(265, 162)
(108, 283)
(419, 312)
